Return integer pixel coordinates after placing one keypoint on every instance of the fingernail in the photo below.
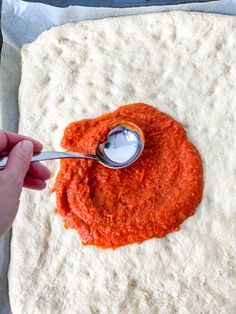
(28, 145)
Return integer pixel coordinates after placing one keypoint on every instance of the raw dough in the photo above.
(183, 63)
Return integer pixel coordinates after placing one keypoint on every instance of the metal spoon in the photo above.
(123, 147)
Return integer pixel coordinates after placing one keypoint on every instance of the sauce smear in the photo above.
(152, 197)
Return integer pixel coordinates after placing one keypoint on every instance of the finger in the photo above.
(9, 201)
(9, 139)
(39, 171)
(34, 183)
(19, 160)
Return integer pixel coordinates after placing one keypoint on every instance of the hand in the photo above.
(17, 174)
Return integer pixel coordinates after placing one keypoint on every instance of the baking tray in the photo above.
(4, 247)
(0, 21)
(9, 110)
(117, 3)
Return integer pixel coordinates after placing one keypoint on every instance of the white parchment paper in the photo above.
(21, 23)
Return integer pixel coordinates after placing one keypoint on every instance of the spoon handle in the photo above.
(49, 156)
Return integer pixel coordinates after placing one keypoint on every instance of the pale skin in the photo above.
(19, 173)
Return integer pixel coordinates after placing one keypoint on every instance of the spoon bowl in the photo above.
(123, 147)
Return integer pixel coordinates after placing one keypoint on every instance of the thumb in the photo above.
(11, 180)
(19, 160)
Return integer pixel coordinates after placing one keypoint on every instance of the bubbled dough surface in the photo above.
(183, 63)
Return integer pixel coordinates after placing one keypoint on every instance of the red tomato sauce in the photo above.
(152, 197)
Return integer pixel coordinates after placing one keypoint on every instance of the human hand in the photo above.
(18, 173)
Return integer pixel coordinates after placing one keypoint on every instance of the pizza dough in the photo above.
(182, 63)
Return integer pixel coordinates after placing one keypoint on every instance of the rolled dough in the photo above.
(184, 64)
